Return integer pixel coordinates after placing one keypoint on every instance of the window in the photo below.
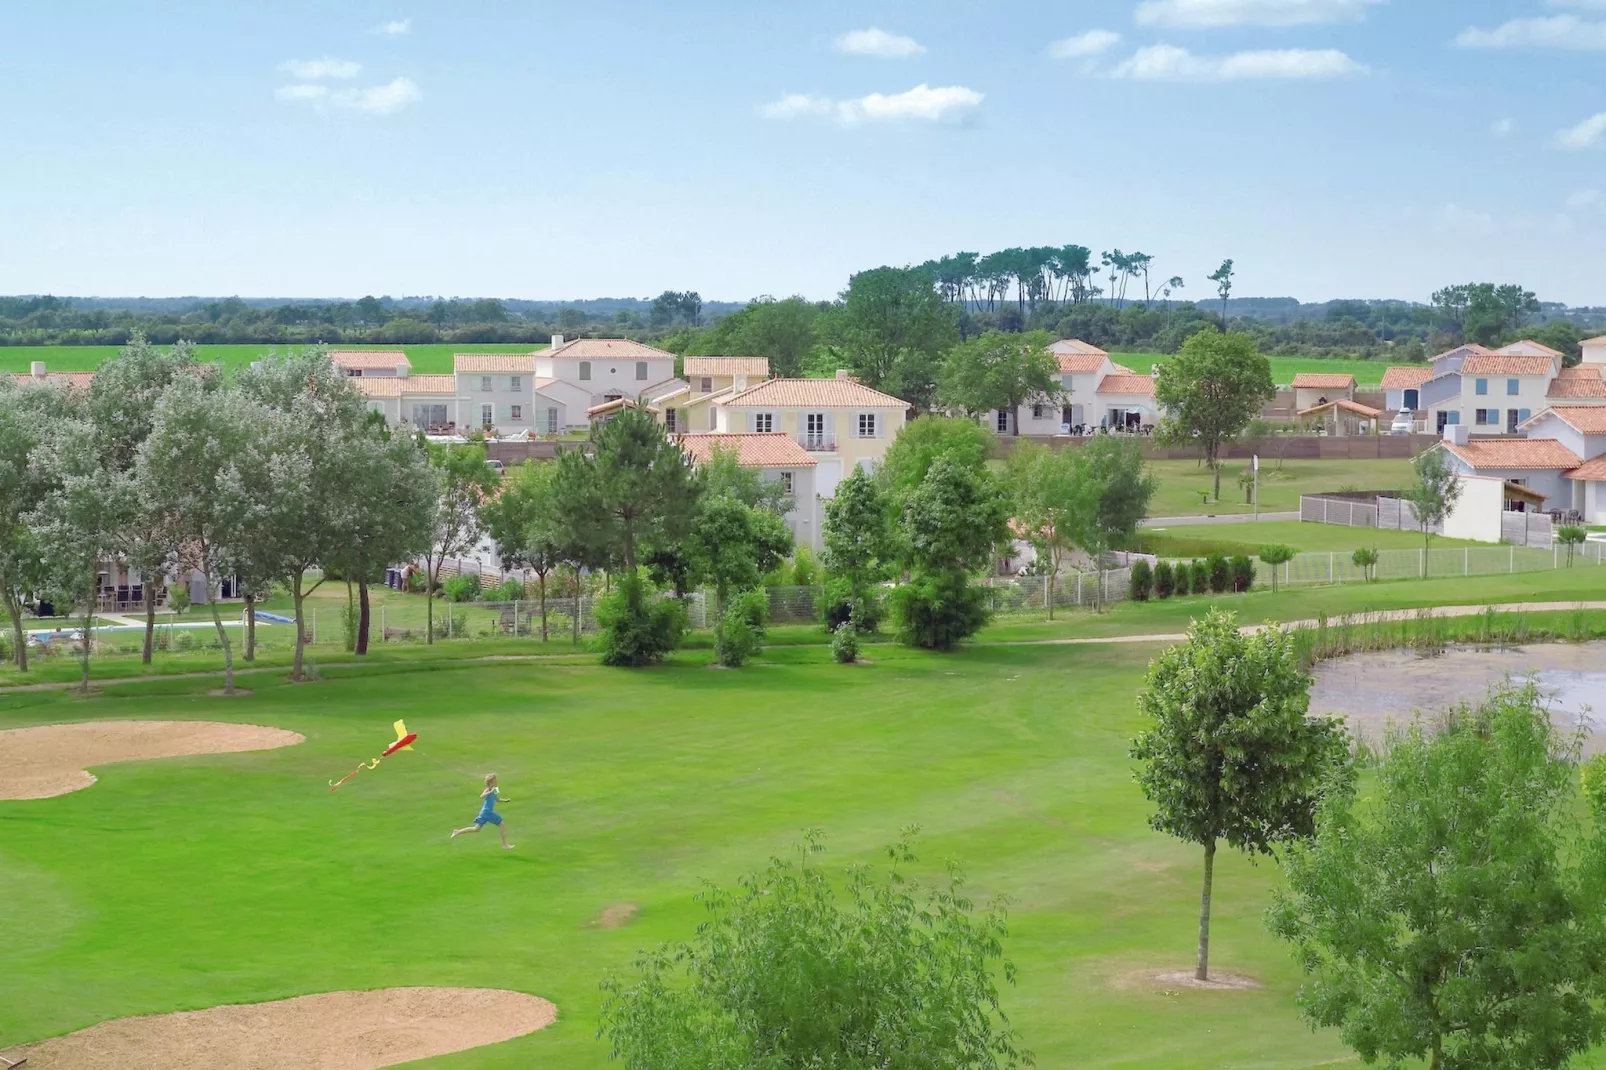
(517, 413)
(1454, 419)
(1513, 416)
(1513, 388)
(552, 421)
(764, 421)
(1484, 417)
(1523, 414)
(669, 420)
(485, 384)
(487, 416)
(1413, 400)
(713, 418)
(1037, 412)
(814, 435)
(641, 370)
(866, 426)
(1003, 421)
(585, 370)
(354, 373)
(1481, 386)
(515, 383)
(707, 384)
(786, 482)
(429, 415)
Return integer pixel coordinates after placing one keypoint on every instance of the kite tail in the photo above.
(335, 784)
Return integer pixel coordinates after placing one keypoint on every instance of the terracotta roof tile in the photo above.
(1529, 343)
(365, 359)
(1594, 471)
(1127, 384)
(1076, 345)
(493, 362)
(1598, 340)
(727, 366)
(1580, 371)
(396, 386)
(773, 449)
(75, 380)
(1399, 377)
(827, 393)
(605, 349)
(1515, 453)
(1589, 419)
(1348, 406)
(1577, 386)
(1493, 364)
(1080, 363)
(1322, 381)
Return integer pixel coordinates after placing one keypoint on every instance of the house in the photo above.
(1594, 350)
(606, 368)
(777, 458)
(38, 376)
(1126, 401)
(706, 375)
(841, 422)
(1539, 464)
(1402, 387)
(1343, 416)
(1084, 404)
(689, 406)
(1315, 388)
(1491, 391)
(1581, 385)
(1582, 430)
(503, 391)
(375, 363)
(418, 402)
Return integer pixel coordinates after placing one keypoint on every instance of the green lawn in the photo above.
(189, 882)
(1368, 373)
(1197, 540)
(426, 359)
(1280, 486)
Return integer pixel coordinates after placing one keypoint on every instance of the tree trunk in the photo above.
(21, 638)
(250, 627)
(1216, 468)
(150, 623)
(429, 602)
(541, 576)
(579, 594)
(222, 638)
(1053, 574)
(301, 630)
(1203, 970)
(364, 617)
(88, 643)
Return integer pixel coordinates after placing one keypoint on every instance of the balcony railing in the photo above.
(820, 443)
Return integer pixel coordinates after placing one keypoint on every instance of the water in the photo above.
(1372, 691)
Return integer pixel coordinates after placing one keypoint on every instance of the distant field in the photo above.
(427, 359)
(1181, 482)
(1283, 369)
(1197, 540)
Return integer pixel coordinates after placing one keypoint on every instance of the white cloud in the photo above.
(1084, 45)
(1552, 31)
(878, 42)
(394, 28)
(1206, 14)
(1589, 5)
(1167, 63)
(1502, 127)
(1583, 198)
(315, 70)
(946, 103)
(375, 99)
(1585, 134)
(302, 91)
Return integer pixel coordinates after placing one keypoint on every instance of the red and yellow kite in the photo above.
(404, 741)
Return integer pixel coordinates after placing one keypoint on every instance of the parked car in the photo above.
(1404, 423)
(495, 466)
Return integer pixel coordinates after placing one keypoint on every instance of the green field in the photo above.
(1196, 540)
(185, 883)
(1280, 487)
(426, 359)
(1368, 373)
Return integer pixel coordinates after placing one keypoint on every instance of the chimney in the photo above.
(37, 369)
(557, 340)
(403, 369)
(1456, 434)
(842, 373)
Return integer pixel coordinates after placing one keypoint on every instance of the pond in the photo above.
(1372, 691)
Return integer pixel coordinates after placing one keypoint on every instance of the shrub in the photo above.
(755, 608)
(805, 569)
(178, 597)
(464, 588)
(1165, 580)
(1365, 559)
(1142, 580)
(845, 643)
(1218, 572)
(1182, 578)
(937, 611)
(637, 630)
(839, 606)
(1274, 556)
(1572, 536)
(1243, 573)
(736, 640)
(511, 590)
(1200, 580)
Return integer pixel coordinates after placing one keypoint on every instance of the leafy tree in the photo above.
(733, 545)
(1231, 752)
(948, 529)
(782, 331)
(464, 483)
(26, 416)
(1365, 559)
(922, 441)
(722, 476)
(638, 631)
(1274, 556)
(787, 971)
(1572, 536)
(1454, 915)
(1210, 391)
(1222, 277)
(1165, 580)
(1142, 581)
(857, 533)
(1055, 502)
(892, 329)
(523, 521)
(1000, 371)
(1434, 494)
(1123, 485)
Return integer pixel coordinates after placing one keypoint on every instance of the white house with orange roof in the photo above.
(1581, 429)
(1489, 391)
(375, 363)
(426, 403)
(777, 458)
(689, 406)
(1318, 388)
(605, 368)
(1540, 465)
(1095, 392)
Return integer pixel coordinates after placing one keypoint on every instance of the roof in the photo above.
(826, 393)
(1589, 385)
(1589, 419)
(617, 405)
(727, 366)
(71, 379)
(365, 359)
(1323, 381)
(1471, 349)
(1347, 405)
(1515, 453)
(1493, 364)
(1593, 471)
(1076, 345)
(605, 349)
(1398, 377)
(1528, 343)
(1517, 490)
(1127, 384)
(493, 362)
(1598, 340)
(1080, 363)
(773, 449)
(388, 386)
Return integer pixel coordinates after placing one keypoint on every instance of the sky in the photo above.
(335, 148)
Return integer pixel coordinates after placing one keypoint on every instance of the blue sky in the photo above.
(1333, 148)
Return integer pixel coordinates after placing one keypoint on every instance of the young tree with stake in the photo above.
(463, 483)
(1434, 494)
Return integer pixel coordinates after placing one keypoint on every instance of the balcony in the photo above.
(817, 443)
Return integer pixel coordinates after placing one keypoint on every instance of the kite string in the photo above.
(443, 765)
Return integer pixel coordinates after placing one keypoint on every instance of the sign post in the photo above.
(1256, 464)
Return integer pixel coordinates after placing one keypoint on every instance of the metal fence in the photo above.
(1395, 514)
(1338, 567)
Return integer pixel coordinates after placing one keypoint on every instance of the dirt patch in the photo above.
(218, 692)
(1173, 980)
(616, 915)
(54, 759)
(327, 1031)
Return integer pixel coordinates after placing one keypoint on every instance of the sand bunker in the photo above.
(327, 1031)
(616, 915)
(1173, 980)
(54, 759)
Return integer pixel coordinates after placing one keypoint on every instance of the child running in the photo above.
(488, 814)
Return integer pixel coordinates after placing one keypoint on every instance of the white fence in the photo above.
(1337, 567)
(1396, 514)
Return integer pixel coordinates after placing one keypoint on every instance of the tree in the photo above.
(948, 529)
(1434, 494)
(1000, 371)
(923, 441)
(523, 522)
(1210, 391)
(1231, 752)
(26, 415)
(1123, 487)
(463, 484)
(1053, 501)
(1365, 559)
(1454, 915)
(892, 329)
(857, 534)
(788, 971)
(733, 545)
(1572, 536)
(1222, 277)
(1274, 556)
(782, 331)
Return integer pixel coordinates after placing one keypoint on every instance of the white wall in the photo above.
(1477, 515)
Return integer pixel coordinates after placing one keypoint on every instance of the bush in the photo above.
(1243, 573)
(1274, 556)
(937, 611)
(511, 590)
(1181, 579)
(1365, 559)
(636, 630)
(1142, 580)
(845, 643)
(1165, 580)
(1199, 581)
(805, 569)
(736, 639)
(838, 607)
(1218, 572)
(464, 588)
(754, 607)
(178, 597)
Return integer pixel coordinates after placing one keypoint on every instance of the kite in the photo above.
(404, 741)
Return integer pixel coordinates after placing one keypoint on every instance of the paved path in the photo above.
(1220, 518)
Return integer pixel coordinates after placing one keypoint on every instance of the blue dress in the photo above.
(488, 814)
